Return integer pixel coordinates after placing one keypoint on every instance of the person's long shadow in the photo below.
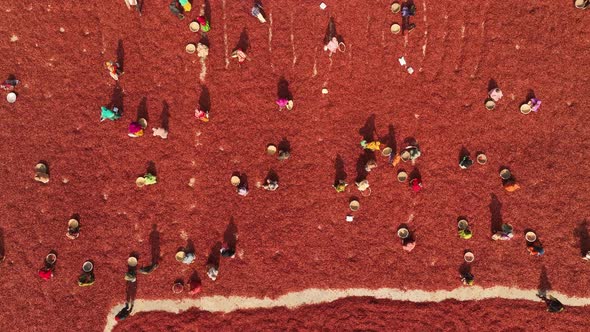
(142, 110)
(194, 279)
(581, 232)
(544, 284)
(117, 98)
(331, 32)
(361, 171)
(492, 85)
(244, 42)
(272, 176)
(155, 244)
(120, 55)
(283, 91)
(368, 130)
(205, 41)
(2, 245)
(165, 117)
(205, 99)
(496, 214)
(190, 246)
(207, 11)
(214, 255)
(151, 168)
(464, 269)
(230, 236)
(340, 173)
(415, 174)
(389, 139)
(284, 145)
(530, 95)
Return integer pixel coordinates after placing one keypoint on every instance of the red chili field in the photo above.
(296, 237)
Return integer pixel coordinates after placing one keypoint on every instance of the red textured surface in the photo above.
(296, 237)
(366, 314)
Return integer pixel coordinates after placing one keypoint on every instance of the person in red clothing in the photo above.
(194, 284)
(416, 184)
(46, 272)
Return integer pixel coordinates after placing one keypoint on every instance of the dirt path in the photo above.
(316, 296)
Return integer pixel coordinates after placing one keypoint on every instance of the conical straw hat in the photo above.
(140, 182)
(190, 48)
(41, 168)
(194, 26)
(73, 223)
(87, 266)
(132, 261)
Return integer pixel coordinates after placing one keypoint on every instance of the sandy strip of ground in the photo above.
(315, 296)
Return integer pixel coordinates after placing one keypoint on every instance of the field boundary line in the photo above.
(226, 304)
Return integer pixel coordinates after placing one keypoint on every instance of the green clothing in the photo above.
(86, 279)
(150, 179)
(340, 187)
(106, 113)
(465, 234)
(206, 27)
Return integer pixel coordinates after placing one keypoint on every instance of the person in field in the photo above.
(114, 69)
(535, 248)
(467, 279)
(465, 162)
(553, 304)
(505, 234)
(227, 251)
(340, 186)
(108, 114)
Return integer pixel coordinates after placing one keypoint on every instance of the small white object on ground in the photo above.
(323, 6)
(349, 218)
(163, 133)
(324, 91)
(410, 70)
(402, 61)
